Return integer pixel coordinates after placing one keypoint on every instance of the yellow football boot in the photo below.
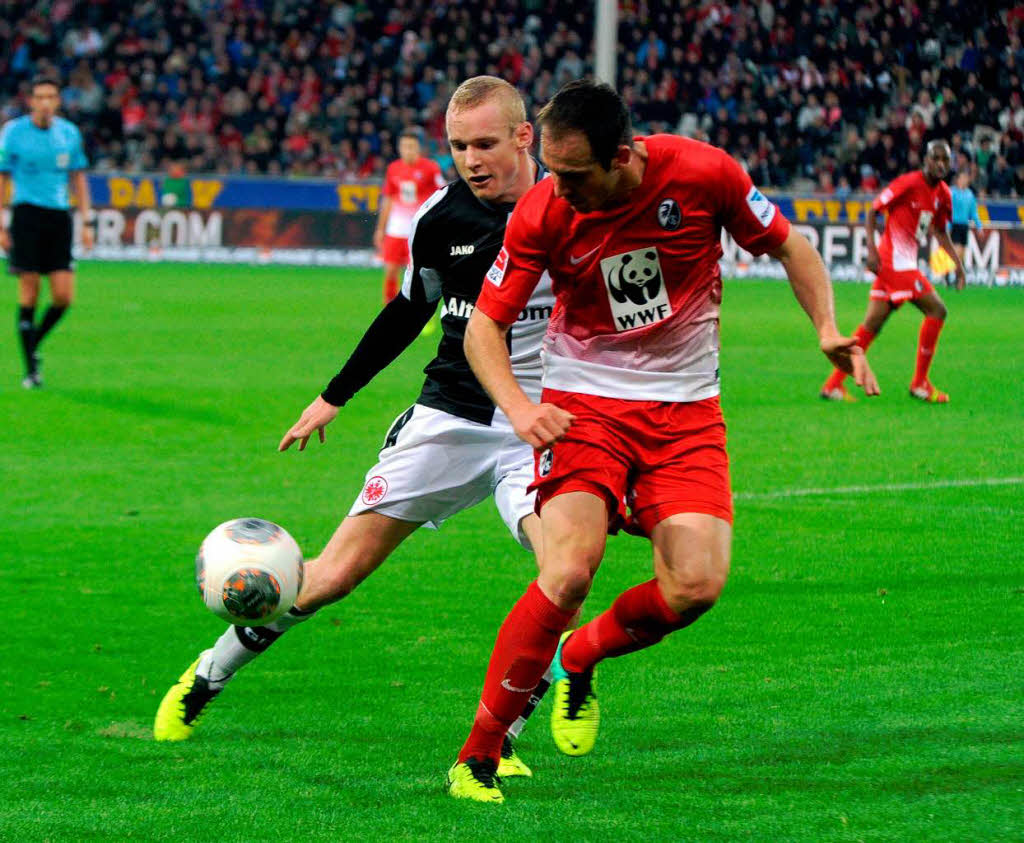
(575, 715)
(474, 779)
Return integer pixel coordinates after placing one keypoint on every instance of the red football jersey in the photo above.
(913, 208)
(637, 286)
(409, 186)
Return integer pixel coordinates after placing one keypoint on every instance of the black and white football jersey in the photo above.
(454, 240)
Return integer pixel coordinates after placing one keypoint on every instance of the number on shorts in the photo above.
(396, 427)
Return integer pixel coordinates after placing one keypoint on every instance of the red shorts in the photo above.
(659, 457)
(898, 287)
(395, 250)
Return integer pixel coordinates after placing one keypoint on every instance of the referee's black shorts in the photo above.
(40, 239)
(958, 233)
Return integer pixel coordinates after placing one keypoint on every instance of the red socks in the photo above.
(390, 289)
(864, 339)
(526, 644)
(637, 619)
(926, 342)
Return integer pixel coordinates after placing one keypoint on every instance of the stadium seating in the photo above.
(833, 96)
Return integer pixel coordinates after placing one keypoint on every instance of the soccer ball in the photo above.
(249, 571)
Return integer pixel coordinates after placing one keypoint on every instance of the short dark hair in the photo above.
(412, 132)
(44, 79)
(596, 110)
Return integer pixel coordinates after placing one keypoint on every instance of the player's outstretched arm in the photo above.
(539, 425)
(809, 280)
(393, 331)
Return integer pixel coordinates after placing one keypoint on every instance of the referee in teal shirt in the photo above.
(41, 153)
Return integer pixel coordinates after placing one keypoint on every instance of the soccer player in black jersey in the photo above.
(456, 237)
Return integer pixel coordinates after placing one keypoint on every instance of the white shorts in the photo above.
(434, 464)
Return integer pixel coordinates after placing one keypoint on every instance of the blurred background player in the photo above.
(408, 182)
(965, 212)
(915, 203)
(452, 448)
(41, 152)
(630, 231)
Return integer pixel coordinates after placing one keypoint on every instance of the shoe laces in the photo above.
(580, 692)
(508, 750)
(484, 770)
(196, 699)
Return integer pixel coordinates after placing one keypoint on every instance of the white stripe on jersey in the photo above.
(527, 337)
(431, 286)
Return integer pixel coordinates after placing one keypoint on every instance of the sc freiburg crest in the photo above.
(670, 217)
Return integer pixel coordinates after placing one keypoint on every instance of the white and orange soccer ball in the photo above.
(249, 571)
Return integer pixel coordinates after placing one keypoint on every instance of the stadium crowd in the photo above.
(832, 96)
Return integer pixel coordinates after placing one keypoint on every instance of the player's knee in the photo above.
(568, 587)
(693, 593)
(939, 311)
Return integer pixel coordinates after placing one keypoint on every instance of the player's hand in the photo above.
(961, 280)
(872, 262)
(88, 238)
(541, 425)
(378, 238)
(316, 417)
(845, 354)
(5, 240)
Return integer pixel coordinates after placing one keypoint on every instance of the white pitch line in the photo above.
(879, 488)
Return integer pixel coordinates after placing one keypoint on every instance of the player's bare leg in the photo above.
(357, 548)
(691, 563)
(879, 310)
(28, 297)
(934, 310)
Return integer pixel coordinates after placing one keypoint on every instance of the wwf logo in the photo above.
(547, 459)
(637, 278)
(669, 215)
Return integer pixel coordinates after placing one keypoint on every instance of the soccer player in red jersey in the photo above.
(408, 183)
(916, 203)
(630, 231)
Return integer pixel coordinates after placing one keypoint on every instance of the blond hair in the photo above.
(480, 89)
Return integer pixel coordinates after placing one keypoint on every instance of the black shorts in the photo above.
(958, 233)
(40, 239)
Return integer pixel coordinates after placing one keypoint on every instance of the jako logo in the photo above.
(462, 250)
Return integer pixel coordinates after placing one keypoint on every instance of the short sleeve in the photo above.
(6, 153)
(516, 271)
(390, 182)
(945, 212)
(754, 221)
(884, 199)
(422, 280)
(79, 161)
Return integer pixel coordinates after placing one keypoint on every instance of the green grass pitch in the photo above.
(859, 680)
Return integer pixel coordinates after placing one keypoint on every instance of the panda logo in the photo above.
(637, 278)
(669, 215)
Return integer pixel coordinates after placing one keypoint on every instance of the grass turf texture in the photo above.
(860, 678)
